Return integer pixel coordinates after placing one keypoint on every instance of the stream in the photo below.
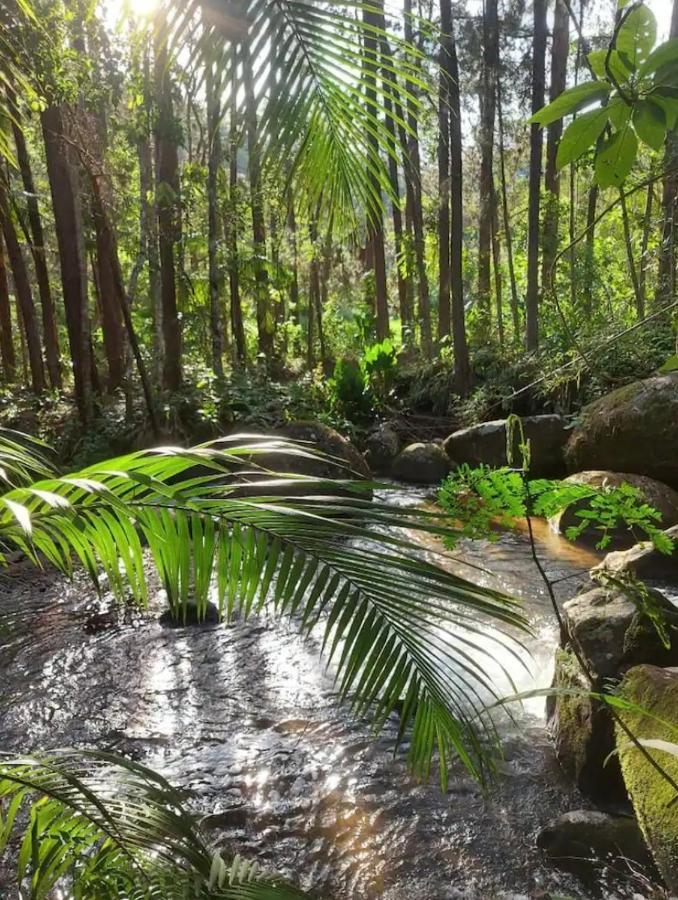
(244, 718)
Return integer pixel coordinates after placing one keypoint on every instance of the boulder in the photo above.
(643, 561)
(633, 429)
(349, 461)
(653, 798)
(611, 632)
(578, 839)
(422, 464)
(486, 444)
(583, 733)
(381, 448)
(660, 496)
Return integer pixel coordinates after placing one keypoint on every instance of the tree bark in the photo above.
(214, 155)
(538, 89)
(167, 202)
(231, 227)
(49, 327)
(666, 284)
(559, 54)
(645, 241)
(508, 236)
(65, 189)
(487, 116)
(444, 187)
(6, 343)
(22, 292)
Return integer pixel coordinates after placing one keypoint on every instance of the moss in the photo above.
(656, 691)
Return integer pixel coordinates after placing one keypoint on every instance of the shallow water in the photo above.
(244, 718)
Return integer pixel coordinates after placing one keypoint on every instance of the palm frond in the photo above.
(405, 635)
(114, 828)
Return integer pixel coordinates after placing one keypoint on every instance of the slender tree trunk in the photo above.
(515, 304)
(213, 165)
(444, 187)
(487, 115)
(231, 229)
(538, 89)
(647, 226)
(589, 249)
(375, 218)
(424, 311)
(294, 281)
(559, 53)
(6, 342)
(666, 284)
(496, 267)
(633, 272)
(49, 328)
(265, 324)
(65, 189)
(167, 202)
(22, 292)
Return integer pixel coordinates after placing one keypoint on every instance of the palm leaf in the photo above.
(405, 635)
(114, 828)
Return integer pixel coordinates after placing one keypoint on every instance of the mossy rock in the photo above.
(653, 798)
(633, 429)
(583, 733)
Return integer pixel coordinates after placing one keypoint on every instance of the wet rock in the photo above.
(654, 799)
(633, 429)
(350, 462)
(582, 836)
(422, 464)
(583, 733)
(643, 561)
(486, 444)
(611, 633)
(381, 448)
(660, 496)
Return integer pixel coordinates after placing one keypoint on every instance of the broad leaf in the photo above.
(571, 101)
(616, 157)
(664, 54)
(638, 35)
(649, 121)
(618, 67)
(580, 135)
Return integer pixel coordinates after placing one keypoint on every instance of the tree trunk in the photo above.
(538, 89)
(496, 267)
(6, 343)
(628, 241)
(294, 281)
(213, 165)
(666, 284)
(424, 311)
(559, 54)
(231, 228)
(647, 225)
(487, 115)
(589, 249)
(22, 292)
(65, 189)
(444, 188)
(49, 327)
(375, 217)
(167, 202)
(265, 326)
(508, 237)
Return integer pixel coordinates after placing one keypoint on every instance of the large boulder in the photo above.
(611, 632)
(486, 444)
(422, 464)
(346, 462)
(583, 732)
(579, 839)
(655, 690)
(643, 561)
(633, 429)
(381, 448)
(660, 496)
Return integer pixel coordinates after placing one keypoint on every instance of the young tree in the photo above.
(487, 115)
(214, 157)
(534, 205)
(6, 342)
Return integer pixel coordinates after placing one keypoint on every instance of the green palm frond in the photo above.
(114, 828)
(313, 64)
(405, 635)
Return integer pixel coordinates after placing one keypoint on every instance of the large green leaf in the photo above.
(571, 101)
(665, 54)
(581, 134)
(615, 158)
(649, 122)
(638, 35)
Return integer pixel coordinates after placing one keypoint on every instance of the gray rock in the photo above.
(582, 836)
(381, 448)
(611, 633)
(422, 464)
(643, 561)
(660, 496)
(486, 444)
(633, 429)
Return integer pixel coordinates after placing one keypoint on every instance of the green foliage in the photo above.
(379, 365)
(482, 499)
(637, 87)
(113, 828)
(348, 383)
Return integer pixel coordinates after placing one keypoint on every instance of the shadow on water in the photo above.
(244, 718)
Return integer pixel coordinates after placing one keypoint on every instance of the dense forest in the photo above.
(339, 329)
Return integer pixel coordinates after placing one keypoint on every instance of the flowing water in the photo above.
(244, 718)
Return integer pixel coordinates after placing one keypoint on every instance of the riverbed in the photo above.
(244, 718)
